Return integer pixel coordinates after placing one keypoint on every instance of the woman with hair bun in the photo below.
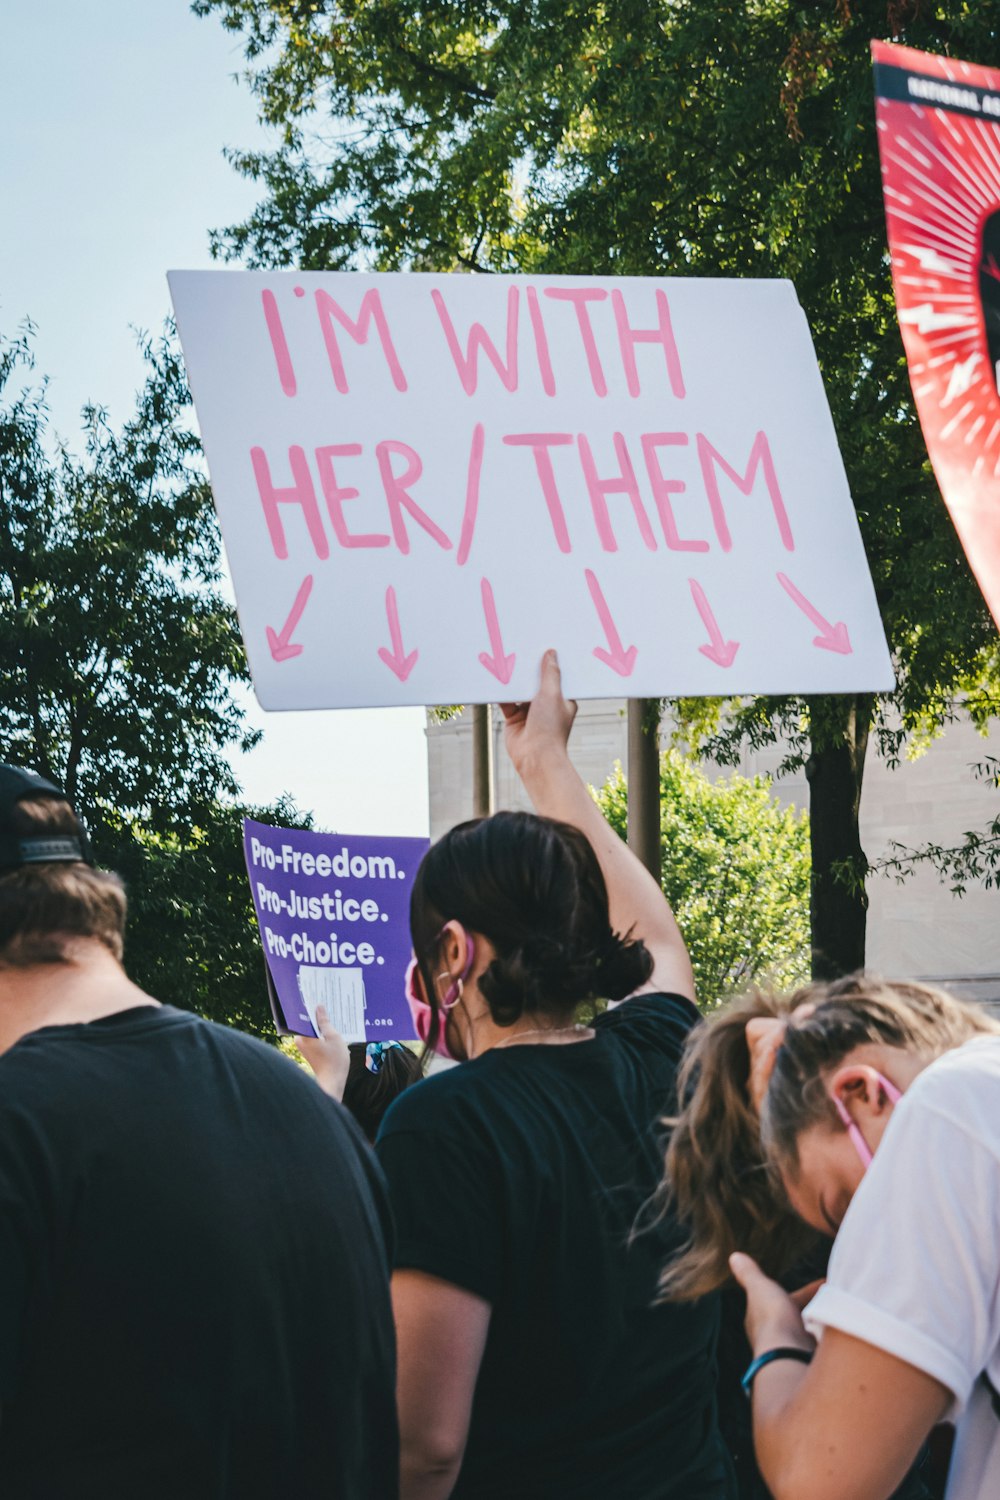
(531, 1361)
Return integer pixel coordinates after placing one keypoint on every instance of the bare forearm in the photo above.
(777, 1433)
(849, 1423)
(441, 1332)
(536, 736)
(807, 1444)
(421, 1479)
(332, 1081)
(328, 1055)
(636, 899)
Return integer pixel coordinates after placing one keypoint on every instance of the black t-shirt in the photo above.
(194, 1249)
(520, 1177)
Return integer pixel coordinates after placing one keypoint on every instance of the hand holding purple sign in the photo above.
(333, 912)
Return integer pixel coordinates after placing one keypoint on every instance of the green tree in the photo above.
(192, 937)
(651, 137)
(735, 870)
(118, 656)
(117, 662)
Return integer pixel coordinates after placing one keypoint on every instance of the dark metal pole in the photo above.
(643, 776)
(482, 761)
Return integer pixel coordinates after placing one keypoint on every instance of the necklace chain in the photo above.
(541, 1031)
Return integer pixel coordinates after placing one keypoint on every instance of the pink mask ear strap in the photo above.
(860, 1144)
(892, 1093)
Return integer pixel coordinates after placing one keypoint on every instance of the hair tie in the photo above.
(373, 1054)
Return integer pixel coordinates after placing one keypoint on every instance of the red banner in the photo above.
(939, 140)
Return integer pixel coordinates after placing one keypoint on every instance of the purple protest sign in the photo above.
(333, 912)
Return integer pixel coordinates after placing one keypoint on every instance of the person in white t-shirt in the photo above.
(879, 1112)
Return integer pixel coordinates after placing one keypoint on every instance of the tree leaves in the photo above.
(192, 937)
(117, 654)
(541, 135)
(648, 137)
(736, 872)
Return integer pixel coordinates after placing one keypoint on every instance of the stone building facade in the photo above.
(917, 929)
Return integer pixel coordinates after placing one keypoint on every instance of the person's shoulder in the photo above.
(204, 1047)
(650, 1014)
(18, 1062)
(230, 1039)
(962, 1085)
(31, 1070)
(40, 1100)
(23, 1080)
(978, 1058)
(440, 1102)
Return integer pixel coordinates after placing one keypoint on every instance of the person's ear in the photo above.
(859, 1088)
(418, 984)
(454, 948)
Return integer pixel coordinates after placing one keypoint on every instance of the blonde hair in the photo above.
(722, 1177)
(44, 908)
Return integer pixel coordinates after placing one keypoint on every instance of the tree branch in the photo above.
(465, 86)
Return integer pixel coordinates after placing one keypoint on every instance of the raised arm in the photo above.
(536, 736)
(328, 1055)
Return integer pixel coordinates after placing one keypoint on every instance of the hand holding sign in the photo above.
(534, 731)
(327, 1054)
(423, 481)
(333, 912)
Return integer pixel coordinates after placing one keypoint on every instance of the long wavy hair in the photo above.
(724, 1163)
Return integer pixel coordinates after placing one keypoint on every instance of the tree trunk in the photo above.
(643, 779)
(835, 769)
(482, 761)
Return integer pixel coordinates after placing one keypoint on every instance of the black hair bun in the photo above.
(533, 888)
(547, 975)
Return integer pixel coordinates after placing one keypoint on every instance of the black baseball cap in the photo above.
(16, 850)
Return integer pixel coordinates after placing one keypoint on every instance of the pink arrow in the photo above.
(394, 659)
(831, 637)
(720, 651)
(500, 665)
(620, 660)
(283, 648)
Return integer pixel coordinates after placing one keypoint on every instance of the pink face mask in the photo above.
(858, 1141)
(423, 1013)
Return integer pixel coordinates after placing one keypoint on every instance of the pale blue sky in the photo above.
(113, 116)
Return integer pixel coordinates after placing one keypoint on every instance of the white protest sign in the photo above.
(424, 481)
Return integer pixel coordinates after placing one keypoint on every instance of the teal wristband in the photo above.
(802, 1355)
